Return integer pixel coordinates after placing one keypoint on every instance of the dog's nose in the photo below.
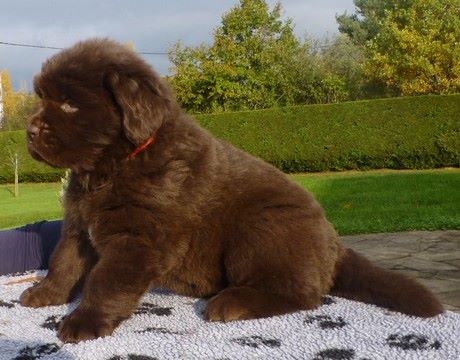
(32, 131)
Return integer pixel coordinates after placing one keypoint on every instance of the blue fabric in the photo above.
(28, 247)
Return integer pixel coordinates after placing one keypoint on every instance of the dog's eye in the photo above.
(66, 107)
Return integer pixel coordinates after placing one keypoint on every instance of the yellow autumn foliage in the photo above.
(417, 50)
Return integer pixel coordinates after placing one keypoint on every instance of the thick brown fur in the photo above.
(189, 212)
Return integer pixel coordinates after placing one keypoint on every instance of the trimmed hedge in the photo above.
(399, 133)
(30, 170)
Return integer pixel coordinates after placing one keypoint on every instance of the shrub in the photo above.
(30, 170)
(398, 133)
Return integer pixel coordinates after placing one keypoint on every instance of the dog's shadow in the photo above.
(198, 304)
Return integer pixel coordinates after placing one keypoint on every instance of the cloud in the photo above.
(149, 24)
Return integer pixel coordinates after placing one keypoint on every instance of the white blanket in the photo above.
(167, 326)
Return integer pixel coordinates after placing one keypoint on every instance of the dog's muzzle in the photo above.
(32, 131)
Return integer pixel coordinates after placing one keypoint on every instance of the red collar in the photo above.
(143, 146)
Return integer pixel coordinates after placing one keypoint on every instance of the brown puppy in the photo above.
(154, 200)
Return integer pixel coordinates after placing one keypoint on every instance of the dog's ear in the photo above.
(143, 103)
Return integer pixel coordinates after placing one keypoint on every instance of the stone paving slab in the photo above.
(432, 257)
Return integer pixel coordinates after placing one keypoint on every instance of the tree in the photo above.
(412, 46)
(247, 65)
(364, 25)
(418, 49)
(14, 161)
(17, 105)
(339, 63)
(9, 98)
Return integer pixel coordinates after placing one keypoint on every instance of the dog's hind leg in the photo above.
(277, 260)
(244, 303)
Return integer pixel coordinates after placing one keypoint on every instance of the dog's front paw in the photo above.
(84, 325)
(42, 295)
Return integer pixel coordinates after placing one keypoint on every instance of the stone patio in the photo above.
(433, 257)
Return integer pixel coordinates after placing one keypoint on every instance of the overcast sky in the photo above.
(152, 26)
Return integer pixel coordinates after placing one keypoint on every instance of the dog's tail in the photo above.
(358, 279)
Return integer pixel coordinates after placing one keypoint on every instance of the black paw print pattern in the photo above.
(256, 341)
(8, 305)
(132, 357)
(153, 309)
(412, 342)
(326, 321)
(156, 330)
(335, 354)
(52, 322)
(36, 352)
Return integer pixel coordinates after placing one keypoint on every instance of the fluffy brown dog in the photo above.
(154, 200)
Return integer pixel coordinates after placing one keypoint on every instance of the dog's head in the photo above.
(95, 95)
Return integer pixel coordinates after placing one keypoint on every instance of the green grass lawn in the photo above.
(355, 202)
(388, 201)
(35, 202)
